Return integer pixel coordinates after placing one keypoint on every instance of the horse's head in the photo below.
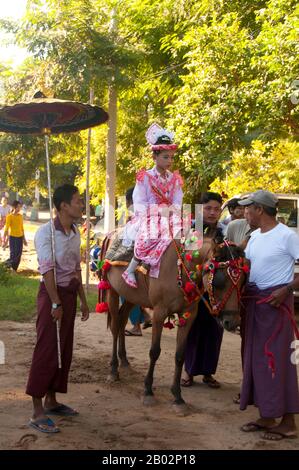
(224, 275)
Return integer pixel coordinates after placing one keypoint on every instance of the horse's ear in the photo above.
(239, 251)
(218, 240)
(219, 237)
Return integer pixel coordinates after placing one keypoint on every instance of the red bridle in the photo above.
(234, 268)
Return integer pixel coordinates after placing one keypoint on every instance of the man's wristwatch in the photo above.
(55, 306)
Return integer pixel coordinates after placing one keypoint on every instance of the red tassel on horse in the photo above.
(102, 307)
(168, 325)
(104, 285)
(189, 287)
(106, 266)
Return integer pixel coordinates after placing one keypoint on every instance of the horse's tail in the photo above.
(104, 247)
(109, 316)
(102, 294)
(108, 319)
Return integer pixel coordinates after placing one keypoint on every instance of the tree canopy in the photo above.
(220, 73)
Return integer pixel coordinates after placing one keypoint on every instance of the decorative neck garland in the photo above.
(180, 321)
(190, 289)
(234, 268)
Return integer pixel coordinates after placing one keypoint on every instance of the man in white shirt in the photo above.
(269, 374)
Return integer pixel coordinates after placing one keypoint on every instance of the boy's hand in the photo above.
(85, 311)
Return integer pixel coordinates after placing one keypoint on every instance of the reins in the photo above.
(283, 309)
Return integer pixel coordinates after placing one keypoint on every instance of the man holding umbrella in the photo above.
(56, 302)
(50, 366)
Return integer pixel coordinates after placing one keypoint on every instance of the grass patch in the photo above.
(30, 227)
(4, 274)
(92, 298)
(18, 296)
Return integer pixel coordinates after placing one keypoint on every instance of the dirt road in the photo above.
(113, 416)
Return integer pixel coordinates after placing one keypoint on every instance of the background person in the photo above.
(14, 232)
(205, 337)
(4, 211)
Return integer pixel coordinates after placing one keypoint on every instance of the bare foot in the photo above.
(133, 332)
(260, 424)
(43, 424)
(37, 417)
(277, 433)
(237, 399)
(50, 403)
(210, 381)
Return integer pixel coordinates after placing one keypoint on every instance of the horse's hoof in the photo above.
(149, 400)
(112, 378)
(181, 409)
(125, 364)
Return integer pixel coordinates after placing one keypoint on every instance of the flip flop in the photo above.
(272, 435)
(131, 333)
(45, 425)
(211, 382)
(61, 410)
(187, 382)
(147, 324)
(252, 426)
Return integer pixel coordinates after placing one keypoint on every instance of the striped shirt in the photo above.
(67, 252)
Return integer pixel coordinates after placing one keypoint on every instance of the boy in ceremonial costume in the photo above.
(157, 199)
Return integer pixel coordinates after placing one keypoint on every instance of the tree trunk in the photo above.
(88, 201)
(111, 162)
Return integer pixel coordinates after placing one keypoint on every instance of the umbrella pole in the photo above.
(87, 254)
(52, 240)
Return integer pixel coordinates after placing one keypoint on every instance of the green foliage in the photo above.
(262, 166)
(22, 155)
(220, 73)
(241, 64)
(4, 274)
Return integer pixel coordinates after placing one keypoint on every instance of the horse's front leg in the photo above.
(157, 326)
(182, 336)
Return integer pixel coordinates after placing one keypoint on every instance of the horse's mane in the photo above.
(213, 232)
(226, 252)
